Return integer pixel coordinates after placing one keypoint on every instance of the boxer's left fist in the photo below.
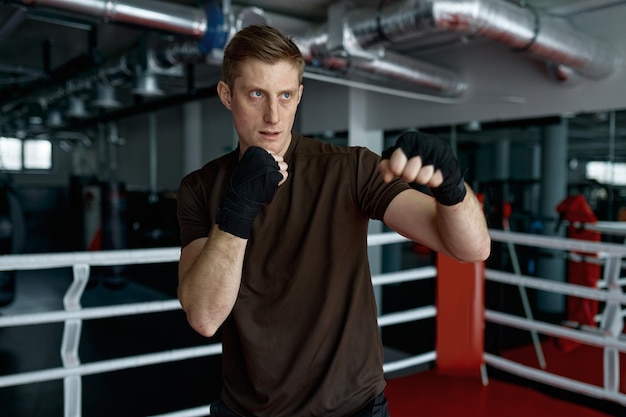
(425, 159)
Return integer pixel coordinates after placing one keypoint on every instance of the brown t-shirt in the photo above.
(302, 339)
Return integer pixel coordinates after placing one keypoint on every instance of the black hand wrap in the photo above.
(438, 153)
(253, 184)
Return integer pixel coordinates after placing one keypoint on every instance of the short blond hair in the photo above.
(261, 42)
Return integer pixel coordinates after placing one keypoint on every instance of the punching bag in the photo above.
(580, 311)
(12, 239)
(114, 227)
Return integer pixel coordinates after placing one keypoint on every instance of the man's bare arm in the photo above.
(453, 221)
(459, 231)
(209, 274)
(210, 268)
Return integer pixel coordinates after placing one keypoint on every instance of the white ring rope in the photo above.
(560, 287)
(406, 275)
(99, 258)
(422, 359)
(552, 242)
(191, 412)
(599, 339)
(552, 379)
(420, 313)
(89, 313)
(111, 365)
(604, 227)
(380, 239)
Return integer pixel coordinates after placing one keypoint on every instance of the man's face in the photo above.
(263, 101)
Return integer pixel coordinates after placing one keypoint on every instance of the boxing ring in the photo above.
(607, 334)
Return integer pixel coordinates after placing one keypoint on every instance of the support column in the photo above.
(502, 175)
(192, 140)
(532, 200)
(502, 159)
(553, 191)
(460, 316)
(359, 135)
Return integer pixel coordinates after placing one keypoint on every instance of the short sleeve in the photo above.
(372, 193)
(194, 218)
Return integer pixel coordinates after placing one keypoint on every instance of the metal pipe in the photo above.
(379, 64)
(548, 38)
(436, 79)
(155, 14)
(523, 28)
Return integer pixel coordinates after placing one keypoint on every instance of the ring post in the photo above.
(460, 317)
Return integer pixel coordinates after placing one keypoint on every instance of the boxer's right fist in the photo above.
(425, 159)
(253, 184)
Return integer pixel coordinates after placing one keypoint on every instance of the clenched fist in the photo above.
(253, 184)
(425, 159)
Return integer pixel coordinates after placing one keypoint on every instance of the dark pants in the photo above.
(375, 408)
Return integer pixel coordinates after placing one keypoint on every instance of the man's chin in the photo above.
(275, 146)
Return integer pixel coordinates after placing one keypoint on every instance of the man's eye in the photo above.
(286, 95)
(256, 94)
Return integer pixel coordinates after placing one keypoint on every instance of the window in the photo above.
(25, 155)
(607, 172)
(37, 154)
(10, 154)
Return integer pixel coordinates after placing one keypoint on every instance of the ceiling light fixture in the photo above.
(147, 85)
(105, 97)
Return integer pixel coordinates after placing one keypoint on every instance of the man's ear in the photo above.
(223, 91)
(300, 90)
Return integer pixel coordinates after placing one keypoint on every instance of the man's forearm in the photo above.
(208, 288)
(463, 229)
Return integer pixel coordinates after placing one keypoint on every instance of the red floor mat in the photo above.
(429, 394)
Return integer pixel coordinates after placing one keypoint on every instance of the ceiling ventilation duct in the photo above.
(548, 38)
(354, 38)
(335, 46)
(208, 25)
(381, 65)
(159, 15)
(355, 41)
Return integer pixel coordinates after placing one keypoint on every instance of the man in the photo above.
(274, 247)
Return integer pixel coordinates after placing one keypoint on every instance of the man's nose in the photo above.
(271, 112)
